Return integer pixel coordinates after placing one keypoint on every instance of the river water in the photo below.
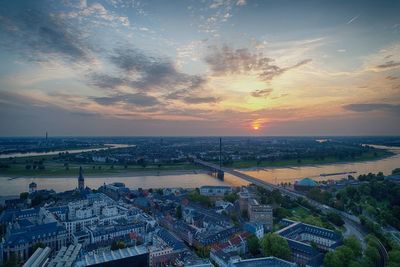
(273, 175)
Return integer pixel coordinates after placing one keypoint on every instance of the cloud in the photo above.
(39, 35)
(105, 81)
(367, 107)
(262, 92)
(389, 64)
(147, 73)
(241, 2)
(136, 99)
(353, 19)
(201, 100)
(226, 61)
(391, 78)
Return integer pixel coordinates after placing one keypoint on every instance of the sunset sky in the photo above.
(221, 67)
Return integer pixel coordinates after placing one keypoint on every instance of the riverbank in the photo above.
(254, 164)
(105, 171)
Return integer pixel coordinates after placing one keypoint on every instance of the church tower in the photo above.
(81, 179)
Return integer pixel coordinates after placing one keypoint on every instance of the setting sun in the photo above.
(256, 128)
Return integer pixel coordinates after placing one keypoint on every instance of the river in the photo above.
(273, 175)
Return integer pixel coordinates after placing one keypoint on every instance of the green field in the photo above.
(55, 169)
(309, 161)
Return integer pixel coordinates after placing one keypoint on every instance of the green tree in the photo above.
(371, 255)
(231, 197)
(117, 244)
(345, 254)
(353, 243)
(394, 258)
(355, 264)
(38, 245)
(275, 245)
(253, 245)
(24, 195)
(332, 260)
(11, 261)
(335, 219)
(179, 212)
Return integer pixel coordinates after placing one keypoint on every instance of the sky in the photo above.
(200, 67)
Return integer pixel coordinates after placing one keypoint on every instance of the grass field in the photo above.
(54, 169)
(309, 161)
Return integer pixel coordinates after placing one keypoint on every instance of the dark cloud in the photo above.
(366, 107)
(145, 72)
(35, 32)
(262, 92)
(227, 60)
(391, 78)
(201, 100)
(105, 81)
(136, 99)
(389, 64)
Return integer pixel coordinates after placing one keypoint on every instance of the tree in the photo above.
(253, 244)
(275, 245)
(394, 258)
(353, 243)
(179, 212)
(11, 261)
(355, 264)
(117, 245)
(38, 245)
(371, 255)
(231, 197)
(335, 219)
(345, 254)
(24, 195)
(332, 260)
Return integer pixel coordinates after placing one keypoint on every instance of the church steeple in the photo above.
(81, 179)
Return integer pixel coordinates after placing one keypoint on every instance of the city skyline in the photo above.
(219, 67)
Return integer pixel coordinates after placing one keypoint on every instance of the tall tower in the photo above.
(81, 179)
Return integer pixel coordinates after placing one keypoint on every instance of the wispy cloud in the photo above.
(353, 19)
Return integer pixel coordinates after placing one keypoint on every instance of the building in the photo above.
(224, 259)
(305, 184)
(66, 257)
(81, 179)
(256, 229)
(215, 191)
(38, 258)
(21, 238)
(263, 262)
(115, 190)
(261, 214)
(166, 248)
(131, 256)
(301, 237)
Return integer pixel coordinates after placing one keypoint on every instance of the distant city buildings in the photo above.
(215, 191)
